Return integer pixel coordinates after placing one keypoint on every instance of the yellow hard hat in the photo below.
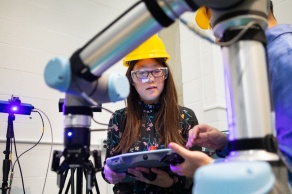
(203, 17)
(151, 48)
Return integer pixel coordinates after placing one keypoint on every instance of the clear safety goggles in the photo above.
(142, 76)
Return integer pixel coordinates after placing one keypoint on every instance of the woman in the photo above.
(152, 118)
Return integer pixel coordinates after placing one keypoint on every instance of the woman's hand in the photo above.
(162, 178)
(112, 176)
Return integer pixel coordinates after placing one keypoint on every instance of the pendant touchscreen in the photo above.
(149, 159)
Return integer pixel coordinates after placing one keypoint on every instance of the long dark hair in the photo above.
(167, 119)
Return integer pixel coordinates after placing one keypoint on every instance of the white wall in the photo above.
(34, 31)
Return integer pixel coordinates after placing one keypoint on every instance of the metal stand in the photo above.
(79, 181)
(77, 148)
(7, 161)
(81, 166)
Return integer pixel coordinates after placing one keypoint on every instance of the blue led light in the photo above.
(69, 134)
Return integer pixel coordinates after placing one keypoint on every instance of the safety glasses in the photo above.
(142, 76)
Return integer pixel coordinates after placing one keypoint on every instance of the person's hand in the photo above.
(162, 178)
(206, 136)
(192, 160)
(112, 176)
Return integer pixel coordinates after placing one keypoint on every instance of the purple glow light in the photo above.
(14, 108)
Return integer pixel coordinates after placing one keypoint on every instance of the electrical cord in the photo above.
(211, 38)
(107, 110)
(104, 124)
(95, 130)
(207, 36)
(239, 35)
(20, 170)
(12, 171)
(17, 160)
(33, 145)
(36, 109)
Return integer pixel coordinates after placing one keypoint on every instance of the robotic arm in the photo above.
(122, 36)
(81, 77)
(125, 34)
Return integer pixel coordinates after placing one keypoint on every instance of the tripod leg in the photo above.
(96, 185)
(92, 179)
(72, 181)
(62, 179)
(79, 180)
(7, 161)
(68, 187)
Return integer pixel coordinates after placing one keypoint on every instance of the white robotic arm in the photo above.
(131, 29)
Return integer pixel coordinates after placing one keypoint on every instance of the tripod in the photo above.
(79, 165)
(77, 162)
(79, 180)
(7, 161)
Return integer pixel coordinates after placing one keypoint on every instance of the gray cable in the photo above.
(51, 147)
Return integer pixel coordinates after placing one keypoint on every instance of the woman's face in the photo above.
(149, 88)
